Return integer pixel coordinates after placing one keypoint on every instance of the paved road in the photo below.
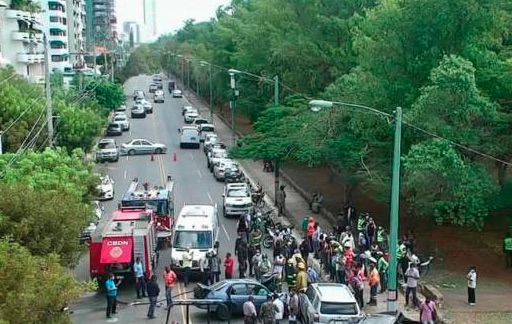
(194, 185)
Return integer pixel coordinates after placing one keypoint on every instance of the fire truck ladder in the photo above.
(138, 248)
(133, 186)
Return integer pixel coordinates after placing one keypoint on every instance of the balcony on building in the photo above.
(60, 62)
(58, 47)
(58, 35)
(30, 58)
(56, 5)
(18, 14)
(27, 36)
(58, 23)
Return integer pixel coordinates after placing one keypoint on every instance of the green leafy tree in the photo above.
(33, 289)
(439, 182)
(109, 95)
(53, 170)
(44, 222)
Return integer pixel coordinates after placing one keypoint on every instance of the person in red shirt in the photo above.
(229, 264)
(349, 255)
(310, 232)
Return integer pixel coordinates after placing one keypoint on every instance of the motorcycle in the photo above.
(268, 238)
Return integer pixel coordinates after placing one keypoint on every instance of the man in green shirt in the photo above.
(382, 267)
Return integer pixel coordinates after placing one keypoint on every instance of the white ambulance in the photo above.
(197, 229)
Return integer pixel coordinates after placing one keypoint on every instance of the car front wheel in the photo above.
(131, 152)
(158, 151)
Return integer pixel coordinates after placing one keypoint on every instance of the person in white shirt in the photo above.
(471, 286)
(413, 276)
(249, 311)
(187, 258)
(280, 308)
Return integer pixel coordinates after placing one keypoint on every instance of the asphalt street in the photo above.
(194, 184)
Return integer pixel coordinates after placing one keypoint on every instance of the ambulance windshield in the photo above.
(193, 239)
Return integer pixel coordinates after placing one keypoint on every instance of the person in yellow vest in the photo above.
(361, 223)
(302, 277)
(382, 238)
(507, 249)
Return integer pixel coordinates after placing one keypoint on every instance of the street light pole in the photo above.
(188, 74)
(233, 106)
(210, 101)
(276, 161)
(48, 90)
(394, 216)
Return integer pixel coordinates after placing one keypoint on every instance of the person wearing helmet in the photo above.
(291, 274)
(255, 237)
(302, 277)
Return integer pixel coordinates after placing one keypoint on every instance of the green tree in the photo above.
(109, 95)
(439, 182)
(53, 170)
(44, 222)
(33, 289)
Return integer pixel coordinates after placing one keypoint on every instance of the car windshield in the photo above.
(193, 239)
(328, 308)
(238, 193)
(220, 154)
(120, 118)
(207, 129)
(106, 145)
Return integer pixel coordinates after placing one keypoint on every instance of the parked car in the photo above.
(142, 146)
(138, 111)
(186, 109)
(214, 156)
(152, 88)
(123, 121)
(159, 97)
(105, 188)
(159, 85)
(106, 150)
(216, 145)
(121, 108)
(329, 302)
(190, 116)
(86, 234)
(114, 129)
(220, 168)
(148, 107)
(234, 293)
(205, 130)
(199, 121)
(209, 140)
(237, 199)
(177, 94)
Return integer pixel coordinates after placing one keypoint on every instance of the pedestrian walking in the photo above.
(169, 280)
(382, 267)
(140, 284)
(111, 287)
(249, 311)
(471, 286)
(374, 282)
(280, 201)
(293, 306)
(153, 292)
(428, 311)
(215, 264)
(412, 276)
(204, 268)
(229, 264)
(278, 303)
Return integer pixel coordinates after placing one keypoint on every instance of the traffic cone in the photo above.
(174, 157)
(152, 157)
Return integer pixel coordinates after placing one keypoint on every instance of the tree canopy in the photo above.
(447, 64)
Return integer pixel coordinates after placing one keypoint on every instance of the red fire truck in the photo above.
(158, 198)
(130, 233)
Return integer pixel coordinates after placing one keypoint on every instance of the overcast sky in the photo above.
(170, 14)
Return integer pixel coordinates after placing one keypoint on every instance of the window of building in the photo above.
(54, 19)
(57, 58)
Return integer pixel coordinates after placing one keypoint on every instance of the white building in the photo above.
(76, 28)
(21, 42)
(55, 19)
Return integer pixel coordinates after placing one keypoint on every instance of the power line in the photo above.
(22, 114)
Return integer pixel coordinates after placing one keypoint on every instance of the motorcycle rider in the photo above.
(264, 265)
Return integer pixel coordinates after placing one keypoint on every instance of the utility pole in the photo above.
(233, 108)
(112, 66)
(1, 139)
(211, 93)
(49, 108)
(276, 162)
(393, 226)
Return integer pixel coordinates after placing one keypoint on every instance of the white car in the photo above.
(219, 169)
(186, 109)
(177, 94)
(148, 107)
(237, 199)
(106, 188)
(215, 156)
(121, 108)
(190, 116)
(209, 140)
(205, 130)
(123, 121)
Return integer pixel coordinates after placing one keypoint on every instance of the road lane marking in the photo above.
(126, 157)
(192, 157)
(226, 232)
(130, 132)
(125, 173)
(200, 175)
(210, 197)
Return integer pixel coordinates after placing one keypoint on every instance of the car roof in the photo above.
(236, 185)
(333, 292)
(140, 139)
(107, 140)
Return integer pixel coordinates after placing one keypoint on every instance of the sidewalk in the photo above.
(296, 206)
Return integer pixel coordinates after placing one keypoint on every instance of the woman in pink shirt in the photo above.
(428, 312)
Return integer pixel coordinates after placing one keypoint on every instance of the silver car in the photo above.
(107, 150)
(142, 146)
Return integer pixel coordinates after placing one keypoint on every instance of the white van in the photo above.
(196, 228)
(205, 129)
(190, 137)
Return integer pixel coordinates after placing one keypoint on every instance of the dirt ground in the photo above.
(454, 249)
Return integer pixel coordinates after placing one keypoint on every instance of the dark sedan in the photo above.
(234, 293)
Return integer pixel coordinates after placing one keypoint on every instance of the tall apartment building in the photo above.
(131, 32)
(149, 10)
(21, 41)
(101, 24)
(76, 27)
